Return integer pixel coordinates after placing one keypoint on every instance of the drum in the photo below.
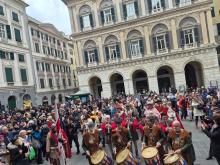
(151, 156)
(174, 159)
(100, 158)
(125, 157)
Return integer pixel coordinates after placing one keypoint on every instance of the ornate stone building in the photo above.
(135, 45)
(51, 62)
(16, 74)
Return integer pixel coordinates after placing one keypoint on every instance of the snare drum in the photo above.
(174, 159)
(125, 157)
(100, 158)
(151, 156)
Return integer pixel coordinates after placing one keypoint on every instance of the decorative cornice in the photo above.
(144, 20)
(150, 59)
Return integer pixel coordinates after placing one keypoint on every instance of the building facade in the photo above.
(136, 45)
(51, 63)
(216, 24)
(16, 82)
(73, 67)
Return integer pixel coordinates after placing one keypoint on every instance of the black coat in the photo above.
(214, 135)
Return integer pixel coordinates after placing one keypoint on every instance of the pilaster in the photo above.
(101, 50)
(210, 27)
(123, 49)
(147, 40)
(204, 28)
(174, 34)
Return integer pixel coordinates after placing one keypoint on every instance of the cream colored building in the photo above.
(73, 67)
(16, 74)
(51, 62)
(216, 24)
(136, 45)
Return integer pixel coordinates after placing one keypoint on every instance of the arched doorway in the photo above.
(140, 81)
(27, 101)
(194, 74)
(117, 84)
(95, 85)
(53, 99)
(12, 103)
(45, 100)
(60, 98)
(165, 78)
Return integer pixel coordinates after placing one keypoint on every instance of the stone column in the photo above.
(75, 22)
(106, 93)
(2, 80)
(80, 54)
(174, 35)
(72, 20)
(129, 88)
(143, 9)
(123, 49)
(95, 14)
(101, 54)
(76, 54)
(153, 83)
(118, 10)
(147, 40)
(170, 4)
(180, 79)
(210, 27)
(16, 71)
(204, 29)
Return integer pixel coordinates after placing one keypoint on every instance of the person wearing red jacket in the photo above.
(131, 123)
(108, 128)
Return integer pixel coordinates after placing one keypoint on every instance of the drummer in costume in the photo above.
(154, 137)
(108, 127)
(91, 144)
(180, 142)
(122, 143)
(131, 123)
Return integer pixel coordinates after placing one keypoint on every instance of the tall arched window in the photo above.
(130, 10)
(155, 6)
(135, 44)
(112, 50)
(189, 33)
(86, 18)
(107, 12)
(161, 39)
(91, 53)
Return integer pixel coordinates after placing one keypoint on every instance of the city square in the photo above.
(105, 82)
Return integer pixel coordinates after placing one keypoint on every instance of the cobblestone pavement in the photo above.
(200, 141)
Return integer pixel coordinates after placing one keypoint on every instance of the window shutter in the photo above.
(124, 11)
(118, 51)
(1, 10)
(32, 31)
(96, 55)
(136, 8)
(8, 29)
(167, 41)
(113, 14)
(154, 39)
(107, 53)
(141, 43)
(43, 66)
(91, 20)
(128, 44)
(86, 57)
(149, 6)
(38, 34)
(12, 56)
(2, 54)
(81, 22)
(163, 4)
(182, 41)
(17, 35)
(218, 28)
(196, 33)
(9, 75)
(177, 2)
(102, 17)
(23, 75)
(37, 65)
(48, 50)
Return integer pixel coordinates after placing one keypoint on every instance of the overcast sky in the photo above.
(50, 11)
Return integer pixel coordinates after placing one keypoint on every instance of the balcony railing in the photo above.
(136, 56)
(92, 64)
(162, 51)
(186, 3)
(158, 10)
(113, 60)
(10, 83)
(190, 45)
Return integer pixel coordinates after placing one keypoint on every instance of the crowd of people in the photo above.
(118, 124)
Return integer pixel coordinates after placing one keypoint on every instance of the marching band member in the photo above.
(151, 110)
(120, 138)
(131, 123)
(180, 142)
(153, 136)
(108, 127)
